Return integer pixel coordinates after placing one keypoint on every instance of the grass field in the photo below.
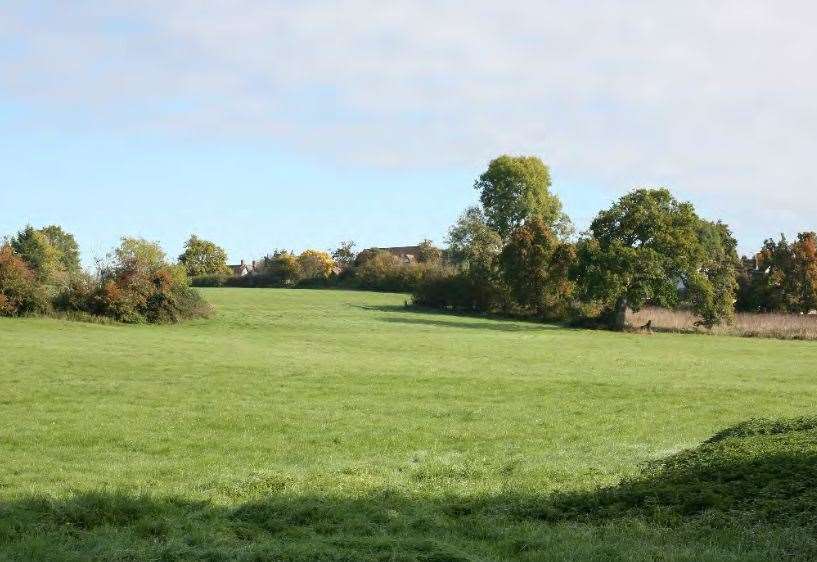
(333, 425)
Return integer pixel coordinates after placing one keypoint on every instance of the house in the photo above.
(243, 269)
(407, 254)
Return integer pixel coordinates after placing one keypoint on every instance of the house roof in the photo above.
(402, 250)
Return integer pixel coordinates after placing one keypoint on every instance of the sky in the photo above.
(298, 124)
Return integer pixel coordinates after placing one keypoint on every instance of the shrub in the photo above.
(137, 285)
(443, 291)
(215, 280)
(447, 288)
(20, 291)
(314, 264)
(78, 295)
(383, 271)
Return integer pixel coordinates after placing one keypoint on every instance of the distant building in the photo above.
(407, 254)
(243, 269)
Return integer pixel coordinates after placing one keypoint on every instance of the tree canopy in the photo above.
(66, 246)
(535, 265)
(649, 247)
(45, 259)
(782, 277)
(202, 257)
(514, 189)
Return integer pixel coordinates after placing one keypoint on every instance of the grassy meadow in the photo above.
(335, 425)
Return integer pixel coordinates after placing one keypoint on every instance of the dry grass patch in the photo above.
(782, 326)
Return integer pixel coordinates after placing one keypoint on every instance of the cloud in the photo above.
(713, 99)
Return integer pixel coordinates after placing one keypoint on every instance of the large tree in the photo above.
(202, 257)
(517, 188)
(535, 265)
(650, 248)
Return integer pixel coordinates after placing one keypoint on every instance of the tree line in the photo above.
(40, 273)
(515, 253)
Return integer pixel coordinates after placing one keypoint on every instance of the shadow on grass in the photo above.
(746, 494)
(497, 325)
(443, 319)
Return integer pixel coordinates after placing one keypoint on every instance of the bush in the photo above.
(383, 271)
(156, 295)
(315, 265)
(216, 280)
(137, 285)
(448, 289)
(20, 291)
(78, 295)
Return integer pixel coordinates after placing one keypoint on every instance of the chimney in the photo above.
(253, 265)
(242, 263)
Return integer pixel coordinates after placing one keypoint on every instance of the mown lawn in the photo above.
(334, 425)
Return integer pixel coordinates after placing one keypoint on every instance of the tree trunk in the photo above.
(620, 314)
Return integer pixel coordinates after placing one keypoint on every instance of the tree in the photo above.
(44, 259)
(138, 254)
(282, 267)
(804, 253)
(514, 189)
(648, 247)
(782, 277)
(476, 247)
(344, 255)
(427, 252)
(365, 255)
(535, 265)
(202, 257)
(472, 242)
(712, 289)
(314, 264)
(20, 292)
(66, 245)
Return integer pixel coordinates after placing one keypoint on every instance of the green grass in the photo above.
(334, 425)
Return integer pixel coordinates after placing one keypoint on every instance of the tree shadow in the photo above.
(501, 326)
(763, 470)
(453, 319)
(747, 493)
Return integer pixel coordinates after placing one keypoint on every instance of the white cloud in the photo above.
(715, 99)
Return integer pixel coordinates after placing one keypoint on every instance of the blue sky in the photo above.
(266, 125)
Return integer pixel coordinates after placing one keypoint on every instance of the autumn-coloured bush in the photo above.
(315, 264)
(138, 285)
(20, 291)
